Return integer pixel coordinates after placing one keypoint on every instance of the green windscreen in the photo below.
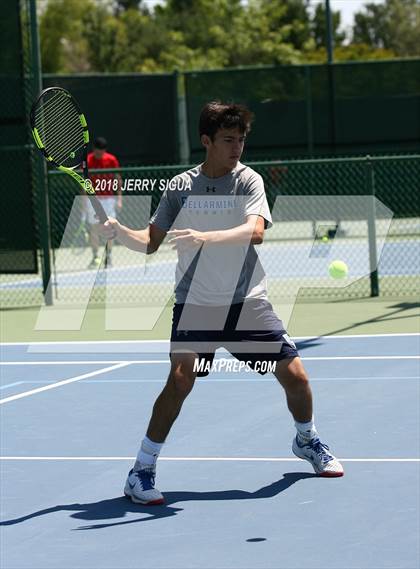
(17, 233)
(348, 109)
(135, 113)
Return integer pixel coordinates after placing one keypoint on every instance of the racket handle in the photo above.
(99, 210)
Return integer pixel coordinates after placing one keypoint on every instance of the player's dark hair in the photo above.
(100, 143)
(216, 115)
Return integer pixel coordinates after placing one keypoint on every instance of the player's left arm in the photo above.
(250, 232)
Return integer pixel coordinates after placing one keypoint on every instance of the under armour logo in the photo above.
(210, 189)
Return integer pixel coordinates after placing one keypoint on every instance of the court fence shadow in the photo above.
(398, 311)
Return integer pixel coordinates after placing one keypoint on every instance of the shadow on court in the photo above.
(119, 507)
(396, 312)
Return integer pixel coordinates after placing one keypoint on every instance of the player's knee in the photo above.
(300, 380)
(181, 381)
(294, 378)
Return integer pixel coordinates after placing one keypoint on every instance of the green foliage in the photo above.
(352, 52)
(63, 46)
(123, 5)
(129, 36)
(319, 27)
(394, 25)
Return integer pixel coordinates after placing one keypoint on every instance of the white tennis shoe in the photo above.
(317, 453)
(140, 487)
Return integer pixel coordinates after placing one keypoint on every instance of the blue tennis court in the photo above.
(73, 414)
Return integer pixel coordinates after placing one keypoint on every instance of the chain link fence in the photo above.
(22, 249)
(318, 211)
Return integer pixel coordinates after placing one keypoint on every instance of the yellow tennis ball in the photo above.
(325, 239)
(338, 270)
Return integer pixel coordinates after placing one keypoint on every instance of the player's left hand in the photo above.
(186, 238)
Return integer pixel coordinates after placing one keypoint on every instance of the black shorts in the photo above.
(251, 332)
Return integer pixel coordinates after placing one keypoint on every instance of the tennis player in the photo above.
(107, 191)
(211, 293)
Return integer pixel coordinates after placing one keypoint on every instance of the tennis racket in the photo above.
(61, 133)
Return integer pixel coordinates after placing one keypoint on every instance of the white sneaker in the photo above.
(140, 487)
(315, 452)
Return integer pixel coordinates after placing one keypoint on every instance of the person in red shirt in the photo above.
(108, 189)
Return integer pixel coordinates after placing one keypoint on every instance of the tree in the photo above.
(319, 27)
(224, 33)
(123, 5)
(106, 41)
(130, 36)
(394, 25)
(63, 47)
(269, 32)
(351, 52)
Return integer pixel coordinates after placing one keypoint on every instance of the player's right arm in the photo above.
(143, 240)
(146, 240)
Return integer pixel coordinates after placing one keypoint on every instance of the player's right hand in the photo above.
(110, 229)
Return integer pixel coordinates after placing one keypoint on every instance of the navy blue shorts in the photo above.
(250, 331)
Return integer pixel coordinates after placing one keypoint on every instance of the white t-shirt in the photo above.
(218, 274)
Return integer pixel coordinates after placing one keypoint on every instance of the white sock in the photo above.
(306, 431)
(148, 453)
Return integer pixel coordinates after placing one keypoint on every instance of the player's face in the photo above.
(226, 147)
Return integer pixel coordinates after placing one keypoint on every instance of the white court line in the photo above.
(240, 379)
(200, 459)
(13, 384)
(328, 358)
(75, 342)
(99, 362)
(60, 383)
(82, 362)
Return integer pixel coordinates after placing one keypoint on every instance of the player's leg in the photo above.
(140, 485)
(93, 228)
(306, 445)
(292, 376)
(168, 405)
(94, 244)
(266, 329)
(109, 205)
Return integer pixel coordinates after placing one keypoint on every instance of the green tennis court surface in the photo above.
(355, 316)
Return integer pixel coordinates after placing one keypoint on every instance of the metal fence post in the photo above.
(309, 116)
(182, 127)
(373, 259)
(40, 168)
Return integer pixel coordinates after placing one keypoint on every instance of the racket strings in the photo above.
(52, 127)
(58, 124)
(49, 121)
(48, 117)
(50, 106)
(64, 135)
(66, 144)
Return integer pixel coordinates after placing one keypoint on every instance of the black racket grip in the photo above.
(99, 210)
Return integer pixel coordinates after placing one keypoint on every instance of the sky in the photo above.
(347, 8)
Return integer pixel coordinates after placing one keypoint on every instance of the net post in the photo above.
(371, 215)
(40, 168)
